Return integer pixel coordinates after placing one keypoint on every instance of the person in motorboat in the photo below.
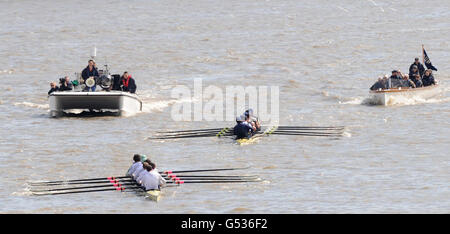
(244, 129)
(414, 71)
(395, 79)
(53, 88)
(253, 120)
(382, 83)
(407, 83)
(428, 78)
(418, 65)
(128, 83)
(66, 85)
(117, 82)
(137, 164)
(88, 72)
(417, 81)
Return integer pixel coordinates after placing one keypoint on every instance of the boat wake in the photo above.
(395, 101)
(159, 106)
(32, 105)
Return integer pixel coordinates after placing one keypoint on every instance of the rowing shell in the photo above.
(247, 141)
(153, 195)
(254, 138)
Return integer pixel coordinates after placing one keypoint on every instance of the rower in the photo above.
(253, 119)
(156, 173)
(136, 164)
(244, 129)
(149, 181)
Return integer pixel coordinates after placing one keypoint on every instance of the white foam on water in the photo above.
(32, 105)
(158, 106)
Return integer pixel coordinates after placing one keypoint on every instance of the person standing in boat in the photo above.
(53, 88)
(419, 67)
(128, 83)
(89, 71)
(428, 78)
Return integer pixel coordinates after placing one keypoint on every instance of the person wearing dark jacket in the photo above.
(428, 78)
(419, 66)
(417, 81)
(414, 71)
(66, 85)
(89, 71)
(380, 84)
(128, 83)
(53, 88)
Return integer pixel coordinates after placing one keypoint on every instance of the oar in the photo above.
(203, 170)
(167, 177)
(88, 191)
(178, 137)
(64, 181)
(303, 134)
(310, 128)
(211, 181)
(195, 130)
(196, 133)
(85, 187)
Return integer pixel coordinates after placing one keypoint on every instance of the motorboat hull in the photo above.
(391, 96)
(123, 103)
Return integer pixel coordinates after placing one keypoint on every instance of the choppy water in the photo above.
(322, 54)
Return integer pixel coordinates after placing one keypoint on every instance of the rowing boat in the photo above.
(153, 195)
(247, 141)
(392, 96)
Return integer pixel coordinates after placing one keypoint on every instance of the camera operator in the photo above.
(65, 84)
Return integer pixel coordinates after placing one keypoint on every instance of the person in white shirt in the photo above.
(135, 166)
(155, 172)
(150, 181)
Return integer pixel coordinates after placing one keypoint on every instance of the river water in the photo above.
(323, 56)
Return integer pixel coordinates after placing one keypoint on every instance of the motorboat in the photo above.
(95, 95)
(391, 96)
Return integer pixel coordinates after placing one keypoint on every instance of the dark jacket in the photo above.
(428, 80)
(242, 130)
(53, 90)
(420, 68)
(417, 82)
(117, 82)
(131, 85)
(381, 84)
(65, 87)
(86, 73)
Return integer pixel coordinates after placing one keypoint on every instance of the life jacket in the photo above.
(126, 81)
